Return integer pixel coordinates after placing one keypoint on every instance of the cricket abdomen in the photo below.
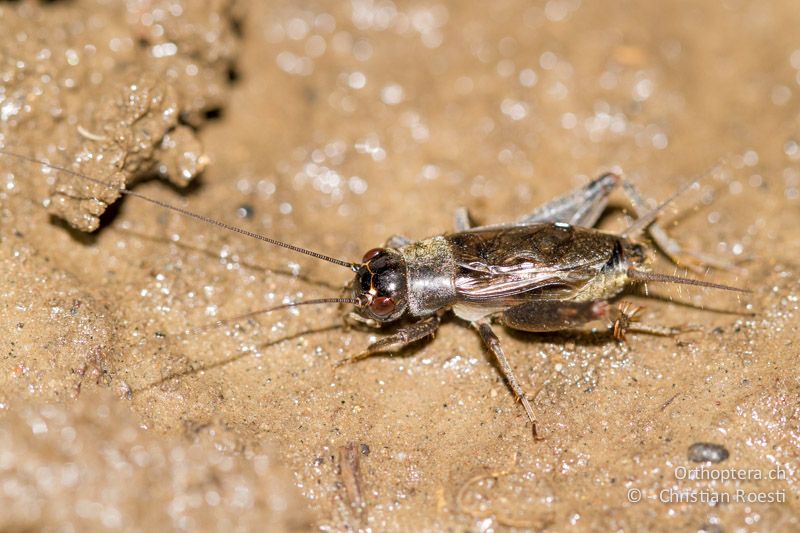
(502, 267)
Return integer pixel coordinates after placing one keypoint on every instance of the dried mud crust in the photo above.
(134, 133)
(118, 90)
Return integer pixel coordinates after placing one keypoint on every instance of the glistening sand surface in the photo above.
(335, 125)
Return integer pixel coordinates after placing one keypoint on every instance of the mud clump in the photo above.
(120, 90)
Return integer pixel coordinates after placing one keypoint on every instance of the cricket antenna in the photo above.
(638, 275)
(186, 212)
(317, 301)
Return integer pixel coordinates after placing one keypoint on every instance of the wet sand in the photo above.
(334, 126)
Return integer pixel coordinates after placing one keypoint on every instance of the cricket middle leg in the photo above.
(491, 341)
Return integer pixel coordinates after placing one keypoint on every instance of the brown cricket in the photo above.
(549, 271)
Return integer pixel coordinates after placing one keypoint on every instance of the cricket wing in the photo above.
(505, 266)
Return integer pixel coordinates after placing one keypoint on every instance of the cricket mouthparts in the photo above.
(638, 275)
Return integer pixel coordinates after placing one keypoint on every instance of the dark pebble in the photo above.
(700, 452)
(365, 449)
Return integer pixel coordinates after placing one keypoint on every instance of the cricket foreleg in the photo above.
(694, 261)
(398, 341)
(493, 344)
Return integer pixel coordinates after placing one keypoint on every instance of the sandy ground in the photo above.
(334, 125)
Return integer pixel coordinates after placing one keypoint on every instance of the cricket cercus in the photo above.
(549, 271)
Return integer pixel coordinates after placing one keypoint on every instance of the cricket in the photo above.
(551, 270)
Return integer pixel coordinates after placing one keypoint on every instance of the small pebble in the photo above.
(245, 211)
(700, 452)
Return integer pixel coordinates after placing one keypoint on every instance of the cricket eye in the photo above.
(372, 254)
(382, 306)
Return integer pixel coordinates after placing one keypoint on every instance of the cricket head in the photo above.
(380, 286)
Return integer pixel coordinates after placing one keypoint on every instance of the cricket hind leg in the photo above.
(493, 345)
(584, 206)
(396, 342)
(581, 207)
(695, 261)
